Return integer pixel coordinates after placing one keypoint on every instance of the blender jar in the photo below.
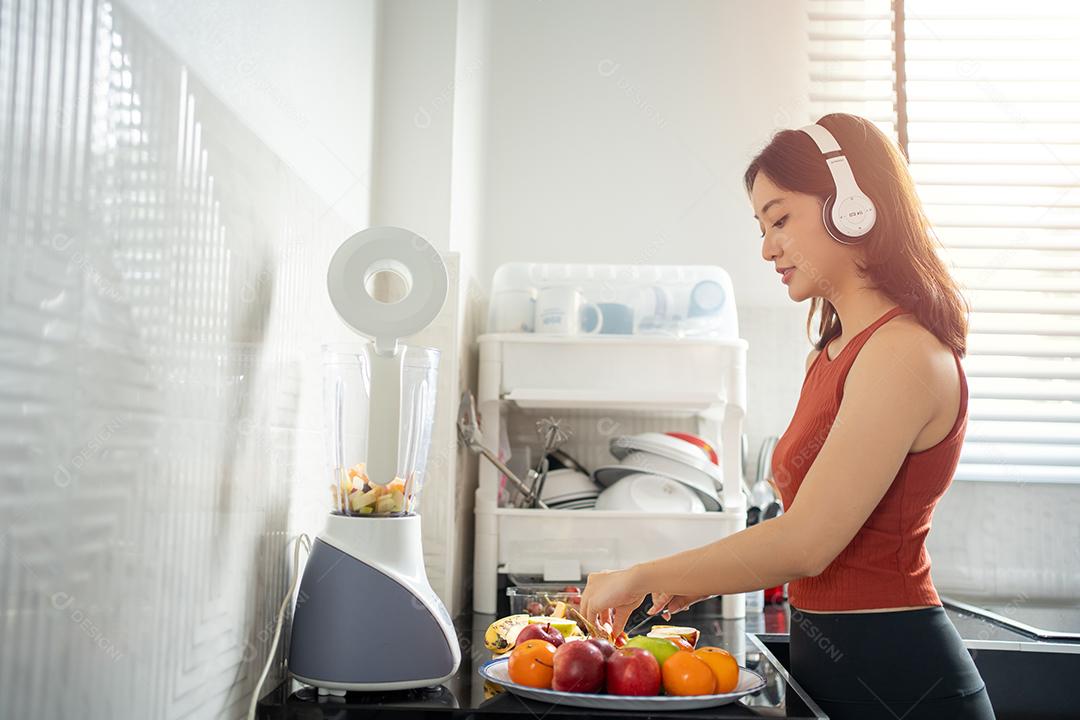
(347, 409)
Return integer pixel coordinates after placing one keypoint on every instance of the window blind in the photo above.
(987, 98)
(852, 60)
(993, 126)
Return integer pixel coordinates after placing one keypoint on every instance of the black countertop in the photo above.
(749, 639)
(465, 694)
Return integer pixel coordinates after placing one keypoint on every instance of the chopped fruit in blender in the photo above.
(359, 500)
(688, 634)
(356, 494)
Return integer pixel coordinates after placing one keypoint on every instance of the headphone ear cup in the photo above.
(826, 218)
(830, 226)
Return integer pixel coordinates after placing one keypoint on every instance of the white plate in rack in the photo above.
(496, 671)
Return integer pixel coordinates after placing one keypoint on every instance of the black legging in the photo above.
(907, 663)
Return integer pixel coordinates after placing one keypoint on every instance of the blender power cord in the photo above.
(305, 542)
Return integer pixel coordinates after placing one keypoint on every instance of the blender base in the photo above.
(366, 618)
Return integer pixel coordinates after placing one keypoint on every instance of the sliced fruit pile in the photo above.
(554, 654)
(357, 495)
(505, 633)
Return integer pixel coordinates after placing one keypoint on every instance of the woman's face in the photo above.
(795, 241)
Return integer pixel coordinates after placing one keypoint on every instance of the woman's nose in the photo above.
(769, 249)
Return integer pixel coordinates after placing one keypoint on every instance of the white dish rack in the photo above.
(604, 386)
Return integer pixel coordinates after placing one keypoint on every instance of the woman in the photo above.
(871, 448)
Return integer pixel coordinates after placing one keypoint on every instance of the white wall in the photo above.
(619, 131)
(414, 117)
(299, 75)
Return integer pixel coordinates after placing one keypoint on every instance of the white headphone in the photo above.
(848, 214)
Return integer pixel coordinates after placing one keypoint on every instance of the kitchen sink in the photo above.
(1027, 678)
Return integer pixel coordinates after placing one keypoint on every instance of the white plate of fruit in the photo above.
(554, 661)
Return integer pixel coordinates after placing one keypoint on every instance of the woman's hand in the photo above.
(667, 604)
(610, 597)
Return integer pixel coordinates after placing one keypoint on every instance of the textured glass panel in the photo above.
(160, 305)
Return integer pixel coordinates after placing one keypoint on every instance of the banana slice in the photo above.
(501, 634)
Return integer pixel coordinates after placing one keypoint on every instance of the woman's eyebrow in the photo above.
(768, 205)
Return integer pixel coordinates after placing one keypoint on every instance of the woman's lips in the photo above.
(786, 274)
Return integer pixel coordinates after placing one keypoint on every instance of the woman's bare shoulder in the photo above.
(904, 344)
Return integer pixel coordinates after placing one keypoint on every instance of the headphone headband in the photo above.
(825, 141)
(849, 213)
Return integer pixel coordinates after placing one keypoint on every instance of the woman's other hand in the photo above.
(610, 597)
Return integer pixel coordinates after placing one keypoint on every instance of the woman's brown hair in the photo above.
(900, 253)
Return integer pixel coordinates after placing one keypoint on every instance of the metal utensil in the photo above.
(665, 613)
(541, 478)
(761, 493)
(744, 457)
(469, 432)
(554, 435)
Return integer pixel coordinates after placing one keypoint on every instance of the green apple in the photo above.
(659, 648)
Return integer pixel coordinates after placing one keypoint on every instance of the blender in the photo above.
(366, 617)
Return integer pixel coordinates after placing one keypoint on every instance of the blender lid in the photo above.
(414, 266)
(387, 249)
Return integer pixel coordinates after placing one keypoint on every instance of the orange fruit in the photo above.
(686, 674)
(681, 643)
(533, 663)
(723, 666)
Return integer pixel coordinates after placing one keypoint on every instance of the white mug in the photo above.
(513, 310)
(655, 308)
(559, 311)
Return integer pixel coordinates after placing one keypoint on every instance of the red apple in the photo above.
(633, 671)
(579, 667)
(605, 647)
(537, 631)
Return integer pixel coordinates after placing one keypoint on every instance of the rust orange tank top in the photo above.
(886, 564)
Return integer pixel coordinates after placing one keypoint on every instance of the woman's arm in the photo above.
(892, 392)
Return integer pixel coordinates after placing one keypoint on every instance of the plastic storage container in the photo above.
(540, 599)
(347, 399)
(583, 300)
